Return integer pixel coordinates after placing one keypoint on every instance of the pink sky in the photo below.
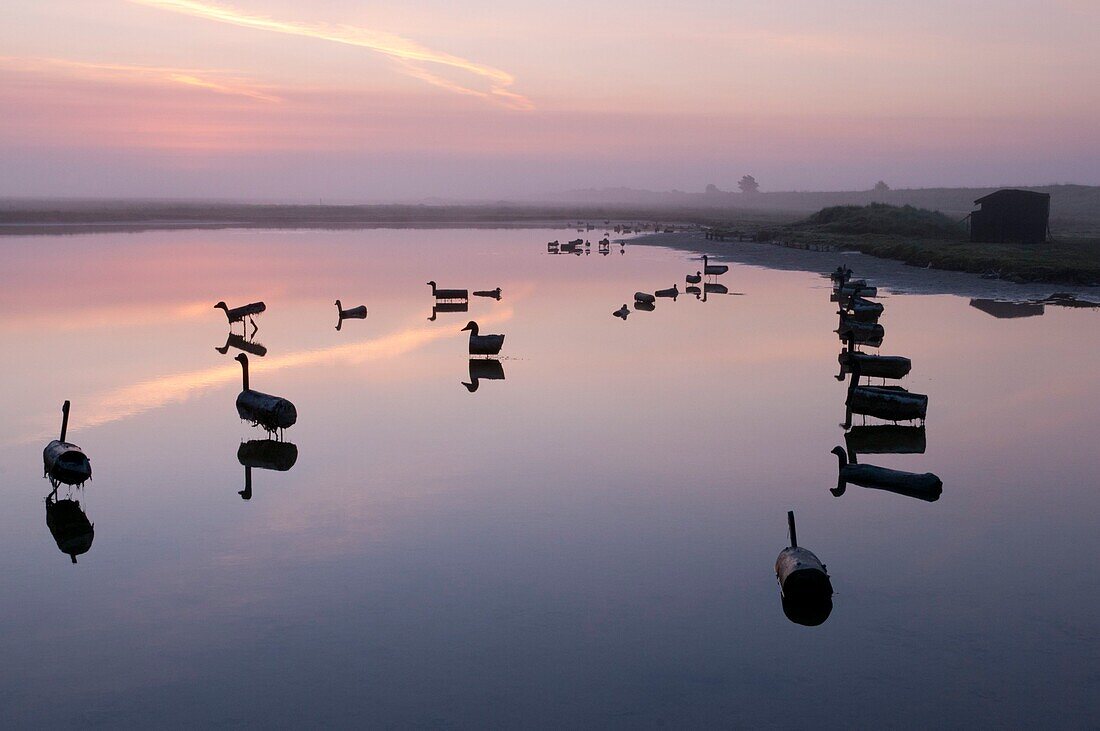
(272, 99)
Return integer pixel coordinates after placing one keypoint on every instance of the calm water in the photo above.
(588, 542)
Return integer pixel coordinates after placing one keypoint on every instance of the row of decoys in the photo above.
(583, 246)
(647, 302)
(248, 313)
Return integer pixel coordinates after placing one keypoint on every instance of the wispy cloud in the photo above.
(412, 57)
(212, 80)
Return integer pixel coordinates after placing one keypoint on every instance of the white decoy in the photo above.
(694, 278)
(449, 294)
(240, 314)
(354, 313)
(273, 413)
(622, 312)
(483, 344)
(713, 269)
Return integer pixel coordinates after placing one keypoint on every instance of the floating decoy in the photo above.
(805, 588)
(605, 241)
(841, 275)
(449, 294)
(848, 291)
(694, 278)
(873, 366)
(448, 307)
(493, 293)
(65, 463)
(576, 242)
(863, 310)
(483, 344)
(69, 526)
(354, 313)
(892, 403)
(643, 297)
(264, 454)
(240, 314)
(622, 312)
(237, 341)
(924, 486)
(862, 333)
(273, 413)
(674, 292)
(713, 269)
(483, 369)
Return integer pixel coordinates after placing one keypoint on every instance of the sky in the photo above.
(348, 101)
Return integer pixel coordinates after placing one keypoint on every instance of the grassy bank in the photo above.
(927, 238)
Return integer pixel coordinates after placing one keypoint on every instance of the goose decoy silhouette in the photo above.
(483, 344)
(805, 588)
(483, 369)
(622, 312)
(694, 278)
(65, 463)
(673, 293)
(494, 293)
(354, 313)
(643, 297)
(713, 269)
(273, 413)
(240, 314)
(449, 294)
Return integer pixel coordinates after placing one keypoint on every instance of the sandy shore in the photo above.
(894, 276)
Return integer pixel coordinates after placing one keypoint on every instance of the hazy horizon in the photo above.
(273, 101)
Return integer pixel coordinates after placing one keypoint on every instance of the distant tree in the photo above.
(748, 184)
(712, 189)
(881, 186)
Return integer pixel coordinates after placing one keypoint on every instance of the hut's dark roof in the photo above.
(1013, 193)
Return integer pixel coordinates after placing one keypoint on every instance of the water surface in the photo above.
(589, 541)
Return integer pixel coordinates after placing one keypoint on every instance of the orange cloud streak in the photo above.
(408, 53)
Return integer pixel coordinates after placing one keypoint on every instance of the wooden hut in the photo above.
(1011, 216)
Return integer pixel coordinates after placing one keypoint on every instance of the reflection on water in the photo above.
(806, 592)
(570, 534)
(69, 525)
(251, 347)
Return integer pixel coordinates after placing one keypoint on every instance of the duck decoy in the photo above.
(674, 292)
(273, 413)
(713, 269)
(63, 462)
(644, 297)
(923, 486)
(483, 369)
(354, 313)
(69, 525)
(872, 366)
(862, 333)
(449, 294)
(264, 454)
(805, 588)
(483, 344)
(864, 310)
(622, 312)
(242, 313)
(695, 278)
(233, 340)
(493, 293)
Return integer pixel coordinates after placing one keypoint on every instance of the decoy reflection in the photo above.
(233, 340)
(352, 313)
(923, 486)
(672, 292)
(805, 588)
(65, 463)
(884, 439)
(483, 369)
(448, 307)
(622, 312)
(69, 525)
(264, 454)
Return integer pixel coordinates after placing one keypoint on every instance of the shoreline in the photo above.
(890, 274)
